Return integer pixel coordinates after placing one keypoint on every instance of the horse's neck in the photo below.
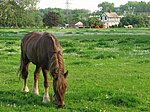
(56, 62)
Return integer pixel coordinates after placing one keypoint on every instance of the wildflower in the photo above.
(107, 97)
(14, 105)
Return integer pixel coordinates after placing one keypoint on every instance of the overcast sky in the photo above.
(80, 4)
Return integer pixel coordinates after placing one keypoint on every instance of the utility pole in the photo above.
(67, 6)
(67, 10)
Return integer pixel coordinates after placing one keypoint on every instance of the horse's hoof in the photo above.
(26, 89)
(35, 92)
(46, 99)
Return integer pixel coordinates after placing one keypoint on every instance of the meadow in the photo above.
(109, 71)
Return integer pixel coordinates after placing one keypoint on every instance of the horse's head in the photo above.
(59, 86)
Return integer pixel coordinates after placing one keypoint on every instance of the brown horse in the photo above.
(43, 50)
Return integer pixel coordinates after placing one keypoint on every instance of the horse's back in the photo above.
(37, 47)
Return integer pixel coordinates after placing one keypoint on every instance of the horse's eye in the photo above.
(56, 71)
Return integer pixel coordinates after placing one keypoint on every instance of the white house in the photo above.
(110, 18)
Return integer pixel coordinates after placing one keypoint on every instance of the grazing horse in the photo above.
(43, 50)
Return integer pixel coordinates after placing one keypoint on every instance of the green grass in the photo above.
(108, 71)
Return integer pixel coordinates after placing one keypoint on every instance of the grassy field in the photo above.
(109, 71)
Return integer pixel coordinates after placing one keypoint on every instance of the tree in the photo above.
(76, 15)
(38, 20)
(17, 13)
(135, 20)
(51, 19)
(27, 4)
(94, 21)
(106, 6)
(134, 7)
(9, 13)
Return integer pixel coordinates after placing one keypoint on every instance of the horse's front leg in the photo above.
(46, 86)
(36, 76)
(25, 76)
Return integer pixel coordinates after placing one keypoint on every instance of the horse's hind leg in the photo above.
(46, 85)
(25, 75)
(36, 76)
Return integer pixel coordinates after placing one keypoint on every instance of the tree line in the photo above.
(132, 7)
(23, 13)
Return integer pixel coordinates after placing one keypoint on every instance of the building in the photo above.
(79, 24)
(110, 19)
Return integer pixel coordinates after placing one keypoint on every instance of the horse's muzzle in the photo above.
(60, 106)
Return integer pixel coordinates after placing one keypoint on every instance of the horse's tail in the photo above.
(20, 69)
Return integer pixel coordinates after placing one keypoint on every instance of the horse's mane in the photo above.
(56, 60)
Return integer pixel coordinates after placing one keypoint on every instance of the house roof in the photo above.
(79, 23)
(111, 14)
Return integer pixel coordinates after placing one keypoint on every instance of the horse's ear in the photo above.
(66, 74)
